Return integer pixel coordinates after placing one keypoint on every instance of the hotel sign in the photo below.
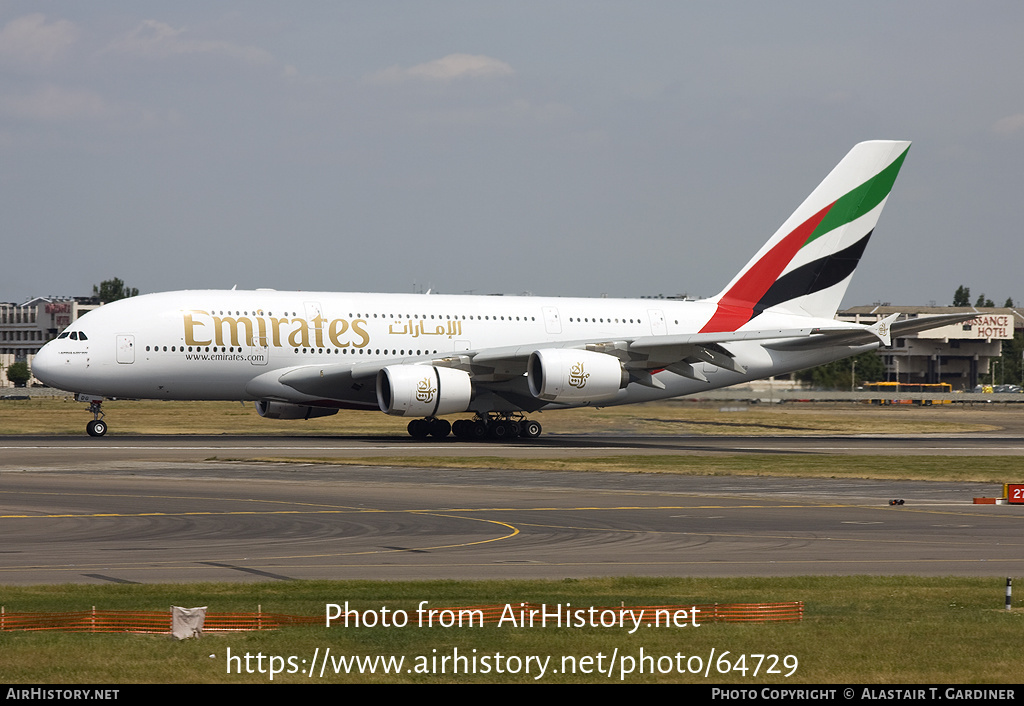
(984, 327)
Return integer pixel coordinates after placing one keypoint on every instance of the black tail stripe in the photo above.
(814, 276)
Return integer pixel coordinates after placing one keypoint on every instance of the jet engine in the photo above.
(571, 376)
(287, 410)
(422, 390)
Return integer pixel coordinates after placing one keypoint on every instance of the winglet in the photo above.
(883, 329)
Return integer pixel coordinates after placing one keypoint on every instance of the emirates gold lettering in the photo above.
(299, 338)
(357, 326)
(261, 323)
(233, 326)
(190, 329)
(276, 325)
(338, 327)
(201, 328)
(318, 329)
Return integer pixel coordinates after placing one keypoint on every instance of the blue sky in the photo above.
(558, 148)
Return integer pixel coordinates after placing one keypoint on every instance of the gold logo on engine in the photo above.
(425, 391)
(578, 378)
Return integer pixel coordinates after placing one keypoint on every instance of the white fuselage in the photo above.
(236, 345)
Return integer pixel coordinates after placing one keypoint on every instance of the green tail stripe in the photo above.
(859, 201)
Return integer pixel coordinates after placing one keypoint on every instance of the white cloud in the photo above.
(56, 104)
(447, 68)
(157, 39)
(30, 40)
(1009, 125)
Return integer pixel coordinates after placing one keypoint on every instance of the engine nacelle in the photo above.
(574, 377)
(287, 410)
(422, 390)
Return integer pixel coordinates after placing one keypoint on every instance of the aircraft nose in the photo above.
(46, 365)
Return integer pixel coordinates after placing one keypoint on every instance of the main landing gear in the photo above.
(432, 426)
(484, 426)
(97, 427)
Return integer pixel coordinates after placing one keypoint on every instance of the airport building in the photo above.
(25, 328)
(959, 354)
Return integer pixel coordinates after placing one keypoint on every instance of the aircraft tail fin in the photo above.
(805, 267)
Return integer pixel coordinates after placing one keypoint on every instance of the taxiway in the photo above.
(176, 509)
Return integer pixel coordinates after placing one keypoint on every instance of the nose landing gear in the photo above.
(97, 427)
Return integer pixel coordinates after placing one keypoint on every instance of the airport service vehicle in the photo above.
(299, 355)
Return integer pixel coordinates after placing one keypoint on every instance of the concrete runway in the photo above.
(157, 509)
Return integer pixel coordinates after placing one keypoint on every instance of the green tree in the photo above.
(837, 374)
(1009, 302)
(1007, 367)
(982, 301)
(110, 290)
(18, 373)
(962, 296)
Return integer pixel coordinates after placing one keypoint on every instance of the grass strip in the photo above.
(856, 630)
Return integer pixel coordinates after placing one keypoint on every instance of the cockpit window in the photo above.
(82, 336)
(74, 335)
(63, 335)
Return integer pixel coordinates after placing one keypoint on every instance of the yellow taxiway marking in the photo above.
(331, 509)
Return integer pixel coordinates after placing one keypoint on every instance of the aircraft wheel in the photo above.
(502, 430)
(439, 428)
(96, 427)
(530, 429)
(419, 429)
(463, 428)
(479, 430)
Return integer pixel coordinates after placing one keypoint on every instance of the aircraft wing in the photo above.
(641, 357)
(862, 335)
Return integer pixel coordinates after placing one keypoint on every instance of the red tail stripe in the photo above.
(736, 307)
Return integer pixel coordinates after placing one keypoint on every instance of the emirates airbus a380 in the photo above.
(308, 354)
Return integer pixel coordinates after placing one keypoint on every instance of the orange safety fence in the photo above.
(159, 622)
(147, 621)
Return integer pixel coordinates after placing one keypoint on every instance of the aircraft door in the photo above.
(259, 350)
(657, 318)
(125, 348)
(313, 310)
(552, 324)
